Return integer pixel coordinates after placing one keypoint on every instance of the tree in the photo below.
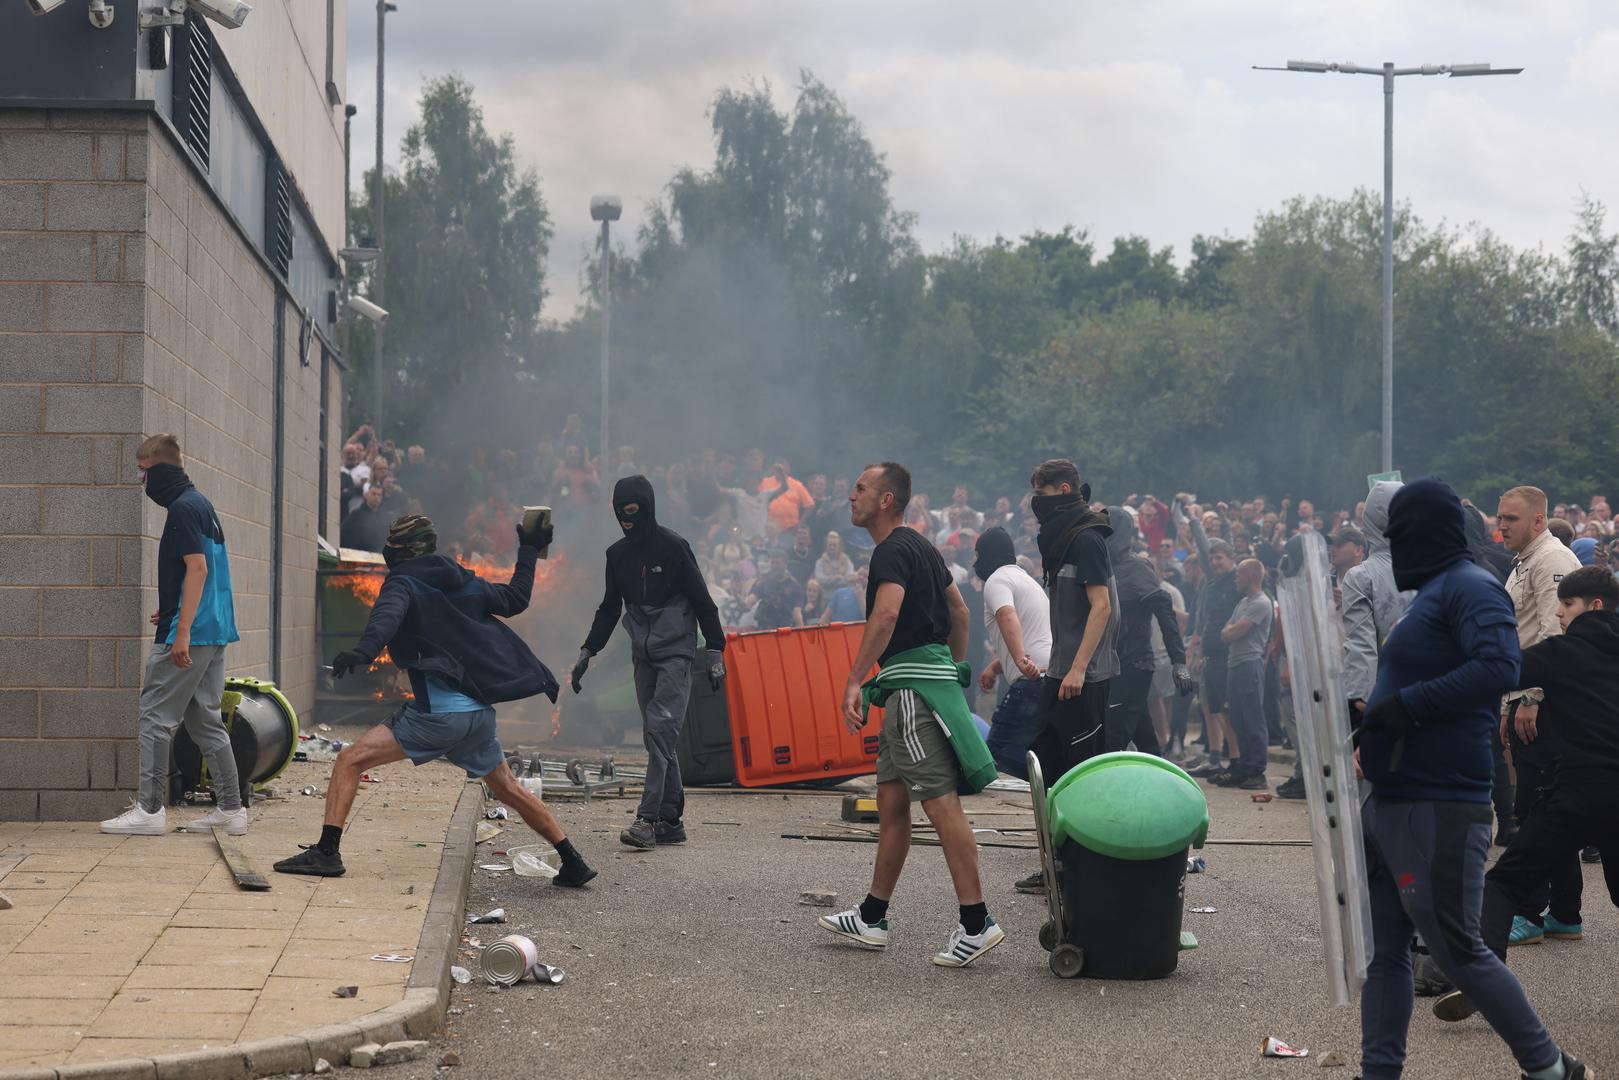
(468, 234)
(1591, 286)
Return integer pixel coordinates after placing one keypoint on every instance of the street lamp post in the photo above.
(1389, 73)
(383, 8)
(606, 209)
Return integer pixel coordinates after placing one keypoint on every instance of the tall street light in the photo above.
(1389, 73)
(383, 8)
(606, 209)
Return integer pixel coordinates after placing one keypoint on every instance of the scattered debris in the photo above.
(818, 898)
(367, 778)
(323, 727)
(310, 790)
(1274, 1047)
(486, 832)
(5, 902)
(536, 861)
(392, 958)
(363, 1057)
(545, 973)
(494, 867)
(322, 1066)
(460, 974)
(1196, 865)
(722, 823)
(450, 1059)
(497, 814)
(493, 915)
(346, 992)
(1332, 1059)
(1262, 796)
(410, 890)
(1204, 910)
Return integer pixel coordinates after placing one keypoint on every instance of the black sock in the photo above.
(330, 836)
(566, 850)
(873, 910)
(973, 917)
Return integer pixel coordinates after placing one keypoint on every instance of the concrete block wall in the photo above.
(129, 304)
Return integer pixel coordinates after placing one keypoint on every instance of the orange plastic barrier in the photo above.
(784, 692)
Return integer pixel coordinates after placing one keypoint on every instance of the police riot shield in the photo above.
(1313, 636)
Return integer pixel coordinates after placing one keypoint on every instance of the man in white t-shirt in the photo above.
(1017, 623)
(1161, 702)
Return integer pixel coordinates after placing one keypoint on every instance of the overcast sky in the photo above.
(1140, 118)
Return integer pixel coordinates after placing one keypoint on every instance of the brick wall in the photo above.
(129, 304)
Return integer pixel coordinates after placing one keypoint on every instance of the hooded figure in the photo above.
(1141, 600)
(1063, 520)
(1485, 549)
(653, 579)
(1372, 603)
(992, 551)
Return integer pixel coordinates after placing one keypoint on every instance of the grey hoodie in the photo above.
(1372, 605)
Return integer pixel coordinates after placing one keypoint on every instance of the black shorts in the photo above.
(1069, 732)
(1214, 684)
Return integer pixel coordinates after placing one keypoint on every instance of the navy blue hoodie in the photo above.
(1450, 657)
(436, 617)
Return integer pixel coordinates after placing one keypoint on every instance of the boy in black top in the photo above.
(1084, 625)
(1579, 674)
(911, 603)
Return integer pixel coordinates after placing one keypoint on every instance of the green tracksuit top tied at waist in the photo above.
(938, 679)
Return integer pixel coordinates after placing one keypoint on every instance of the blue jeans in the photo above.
(1245, 693)
(1011, 729)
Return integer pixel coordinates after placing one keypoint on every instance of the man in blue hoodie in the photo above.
(1424, 743)
(440, 623)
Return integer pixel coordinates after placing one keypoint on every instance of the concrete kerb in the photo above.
(427, 995)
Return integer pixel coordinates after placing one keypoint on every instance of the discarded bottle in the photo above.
(535, 861)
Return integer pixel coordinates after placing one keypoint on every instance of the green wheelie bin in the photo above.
(1120, 826)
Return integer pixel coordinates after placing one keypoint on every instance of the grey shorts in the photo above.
(466, 739)
(914, 747)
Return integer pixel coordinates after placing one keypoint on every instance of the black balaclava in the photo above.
(993, 550)
(636, 489)
(1044, 506)
(165, 483)
(1427, 533)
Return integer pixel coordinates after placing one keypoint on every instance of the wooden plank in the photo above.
(240, 869)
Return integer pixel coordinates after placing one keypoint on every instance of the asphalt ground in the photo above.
(699, 960)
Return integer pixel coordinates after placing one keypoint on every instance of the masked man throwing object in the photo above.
(652, 577)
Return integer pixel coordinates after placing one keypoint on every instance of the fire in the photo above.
(556, 718)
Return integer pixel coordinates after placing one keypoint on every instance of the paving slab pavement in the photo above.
(137, 954)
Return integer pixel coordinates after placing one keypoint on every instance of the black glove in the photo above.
(1388, 716)
(345, 662)
(540, 538)
(716, 669)
(579, 668)
(1184, 683)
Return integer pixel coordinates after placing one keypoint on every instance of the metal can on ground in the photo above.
(505, 962)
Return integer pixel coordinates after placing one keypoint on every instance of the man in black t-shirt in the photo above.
(911, 603)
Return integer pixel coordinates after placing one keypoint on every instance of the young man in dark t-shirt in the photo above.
(1069, 727)
(911, 603)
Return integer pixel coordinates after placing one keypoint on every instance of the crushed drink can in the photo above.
(1196, 865)
(1262, 796)
(1274, 1047)
(505, 962)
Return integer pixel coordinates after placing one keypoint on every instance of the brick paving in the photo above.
(143, 945)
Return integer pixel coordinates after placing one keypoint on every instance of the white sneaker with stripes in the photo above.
(848, 924)
(963, 948)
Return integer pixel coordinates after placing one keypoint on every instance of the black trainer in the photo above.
(1591, 854)
(1573, 1069)
(313, 862)
(669, 832)
(574, 874)
(1426, 978)
(1034, 884)
(642, 834)
(1290, 789)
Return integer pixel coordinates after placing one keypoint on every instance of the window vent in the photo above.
(193, 84)
(277, 216)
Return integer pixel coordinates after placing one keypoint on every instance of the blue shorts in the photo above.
(466, 739)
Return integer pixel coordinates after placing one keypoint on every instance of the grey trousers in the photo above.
(171, 696)
(662, 687)
(1425, 872)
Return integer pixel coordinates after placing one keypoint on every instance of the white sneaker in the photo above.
(963, 948)
(234, 822)
(848, 924)
(137, 822)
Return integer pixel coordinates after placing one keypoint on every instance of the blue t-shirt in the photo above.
(844, 606)
(444, 698)
(193, 529)
(1450, 658)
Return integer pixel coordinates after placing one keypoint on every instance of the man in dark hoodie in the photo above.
(439, 622)
(1141, 600)
(1424, 743)
(1578, 673)
(1078, 571)
(653, 578)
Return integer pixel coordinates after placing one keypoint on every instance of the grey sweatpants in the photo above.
(1425, 871)
(171, 696)
(662, 687)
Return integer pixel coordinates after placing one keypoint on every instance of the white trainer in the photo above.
(137, 822)
(848, 924)
(234, 822)
(963, 948)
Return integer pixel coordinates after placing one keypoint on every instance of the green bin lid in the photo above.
(1128, 805)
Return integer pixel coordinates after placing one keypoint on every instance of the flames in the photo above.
(367, 585)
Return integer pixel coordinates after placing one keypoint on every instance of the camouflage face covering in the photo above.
(410, 536)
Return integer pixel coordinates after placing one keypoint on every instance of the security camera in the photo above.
(44, 7)
(227, 13)
(365, 308)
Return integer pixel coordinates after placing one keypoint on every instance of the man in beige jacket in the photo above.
(1541, 562)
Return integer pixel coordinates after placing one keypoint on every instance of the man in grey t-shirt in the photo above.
(1247, 634)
